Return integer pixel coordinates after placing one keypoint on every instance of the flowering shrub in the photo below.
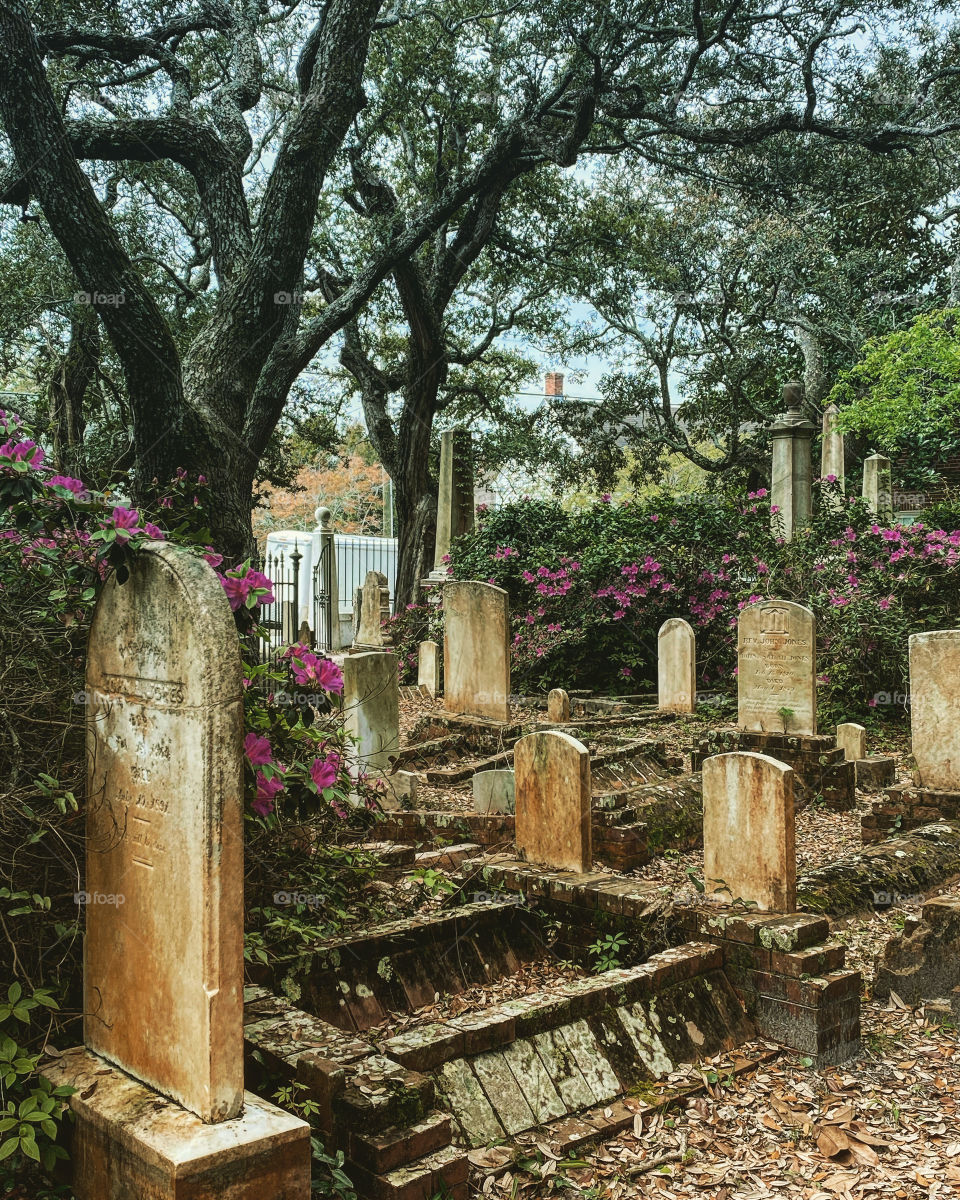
(589, 590)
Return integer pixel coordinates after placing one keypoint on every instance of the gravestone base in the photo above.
(817, 761)
(903, 807)
(131, 1143)
(875, 772)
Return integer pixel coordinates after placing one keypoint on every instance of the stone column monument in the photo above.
(831, 456)
(455, 512)
(878, 487)
(791, 474)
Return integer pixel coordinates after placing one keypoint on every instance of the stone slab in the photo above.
(428, 667)
(129, 1143)
(558, 706)
(163, 961)
(371, 706)
(852, 740)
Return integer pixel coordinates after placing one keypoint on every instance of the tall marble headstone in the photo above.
(749, 830)
(428, 667)
(455, 507)
(163, 961)
(776, 660)
(676, 667)
(878, 487)
(476, 650)
(370, 633)
(831, 456)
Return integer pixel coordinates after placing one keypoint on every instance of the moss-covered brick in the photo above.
(399, 1147)
(425, 1047)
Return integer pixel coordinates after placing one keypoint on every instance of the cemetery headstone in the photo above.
(677, 667)
(163, 960)
(558, 705)
(852, 740)
(749, 830)
(776, 679)
(935, 707)
(370, 633)
(476, 650)
(428, 667)
(553, 800)
(371, 706)
(494, 792)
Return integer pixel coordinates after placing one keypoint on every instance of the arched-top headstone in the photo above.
(935, 707)
(370, 631)
(552, 781)
(749, 830)
(476, 650)
(777, 676)
(163, 953)
(677, 666)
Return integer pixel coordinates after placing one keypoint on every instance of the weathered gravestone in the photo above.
(552, 771)
(558, 705)
(776, 680)
(494, 792)
(832, 458)
(428, 667)
(371, 706)
(749, 832)
(676, 667)
(935, 707)
(455, 506)
(790, 473)
(165, 832)
(476, 650)
(374, 598)
(163, 951)
(878, 487)
(852, 740)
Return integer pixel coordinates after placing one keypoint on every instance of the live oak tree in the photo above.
(257, 108)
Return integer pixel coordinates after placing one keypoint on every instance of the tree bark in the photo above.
(68, 387)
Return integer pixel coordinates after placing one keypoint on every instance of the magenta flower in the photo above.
(324, 771)
(27, 451)
(257, 749)
(212, 557)
(77, 486)
(153, 531)
(267, 790)
(126, 522)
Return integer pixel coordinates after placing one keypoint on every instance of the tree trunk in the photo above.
(416, 528)
(68, 387)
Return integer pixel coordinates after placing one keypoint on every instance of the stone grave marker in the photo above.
(476, 650)
(494, 792)
(852, 740)
(553, 800)
(371, 705)
(163, 963)
(676, 667)
(776, 645)
(158, 1100)
(558, 705)
(878, 487)
(455, 503)
(370, 633)
(428, 667)
(749, 831)
(935, 707)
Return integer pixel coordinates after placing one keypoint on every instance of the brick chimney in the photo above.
(553, 383)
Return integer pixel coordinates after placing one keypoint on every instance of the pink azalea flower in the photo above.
(324, 771)
(267, 790)
(257, 749)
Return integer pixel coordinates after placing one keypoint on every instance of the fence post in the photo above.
(328, 559)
